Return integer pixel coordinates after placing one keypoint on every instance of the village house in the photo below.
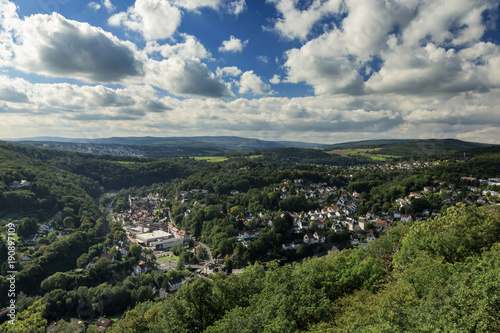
(91, 263)
(108, 256)
(354, 240)
(123, 250)
(381, 225)
(46, 228)
(297, 242)
(32, 238)
(142, 268)
(337, 228)
(245, 235)
(103, 324)
(333, 250)
(319, 236)
(175, 283)
(309, 239)
(406, 217)
(65, 233)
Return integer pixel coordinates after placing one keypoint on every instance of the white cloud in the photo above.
(108, 5)
(275, 79)
(54, 46)
(154, 19)
(190, 48)
(445, 22)
(319, 66)
(71, 110)
(237, 7)
(195, 4)
(411, 42)
(185, 77)
(233, 45)
(94, 5)
(263, 58)
(228, 71)
(297, 23)
(249, 82)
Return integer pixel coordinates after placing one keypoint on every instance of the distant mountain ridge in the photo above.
(231, 142)
(216, 145)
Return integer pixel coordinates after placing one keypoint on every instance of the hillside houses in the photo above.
(246, 235)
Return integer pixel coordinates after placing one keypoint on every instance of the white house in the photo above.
(175, 283)
(319, 236)
(406, 217)
(243, 235)
(354, 240)
(45, 228)
(91, 263)
(141, 268)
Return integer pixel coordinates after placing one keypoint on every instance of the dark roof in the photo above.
(105, 322)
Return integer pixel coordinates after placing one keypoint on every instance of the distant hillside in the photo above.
(219, 145)
(429, 147)
(225, 141)
(163, 146)
(366, 144)
(404, 148)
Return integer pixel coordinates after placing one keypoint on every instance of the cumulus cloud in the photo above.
(234, 7)
(249, 82)
(233, 45)
(237, 7)
(275, 79)
(263, 58)
(195, 4)
(106, 3)
(324, 118)
(228, 71)
(186, 77)
(159, 19)
(54, 46)
(328, 74)
(296, 22)
(154, 19)
(190, 48)
(94, 5)
(421, 47)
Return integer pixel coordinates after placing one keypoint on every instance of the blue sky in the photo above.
(318, 70)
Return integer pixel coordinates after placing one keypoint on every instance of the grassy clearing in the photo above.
(211, 159)
(377, 157)
(363, 152)
(256, 156)
(168, 258)
(345, 152)
(126, 162)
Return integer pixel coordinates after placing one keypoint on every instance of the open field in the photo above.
(377, 157)
(168, 258)
(212, 159)
(345, 152)
(126, 162)
(363, 152)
